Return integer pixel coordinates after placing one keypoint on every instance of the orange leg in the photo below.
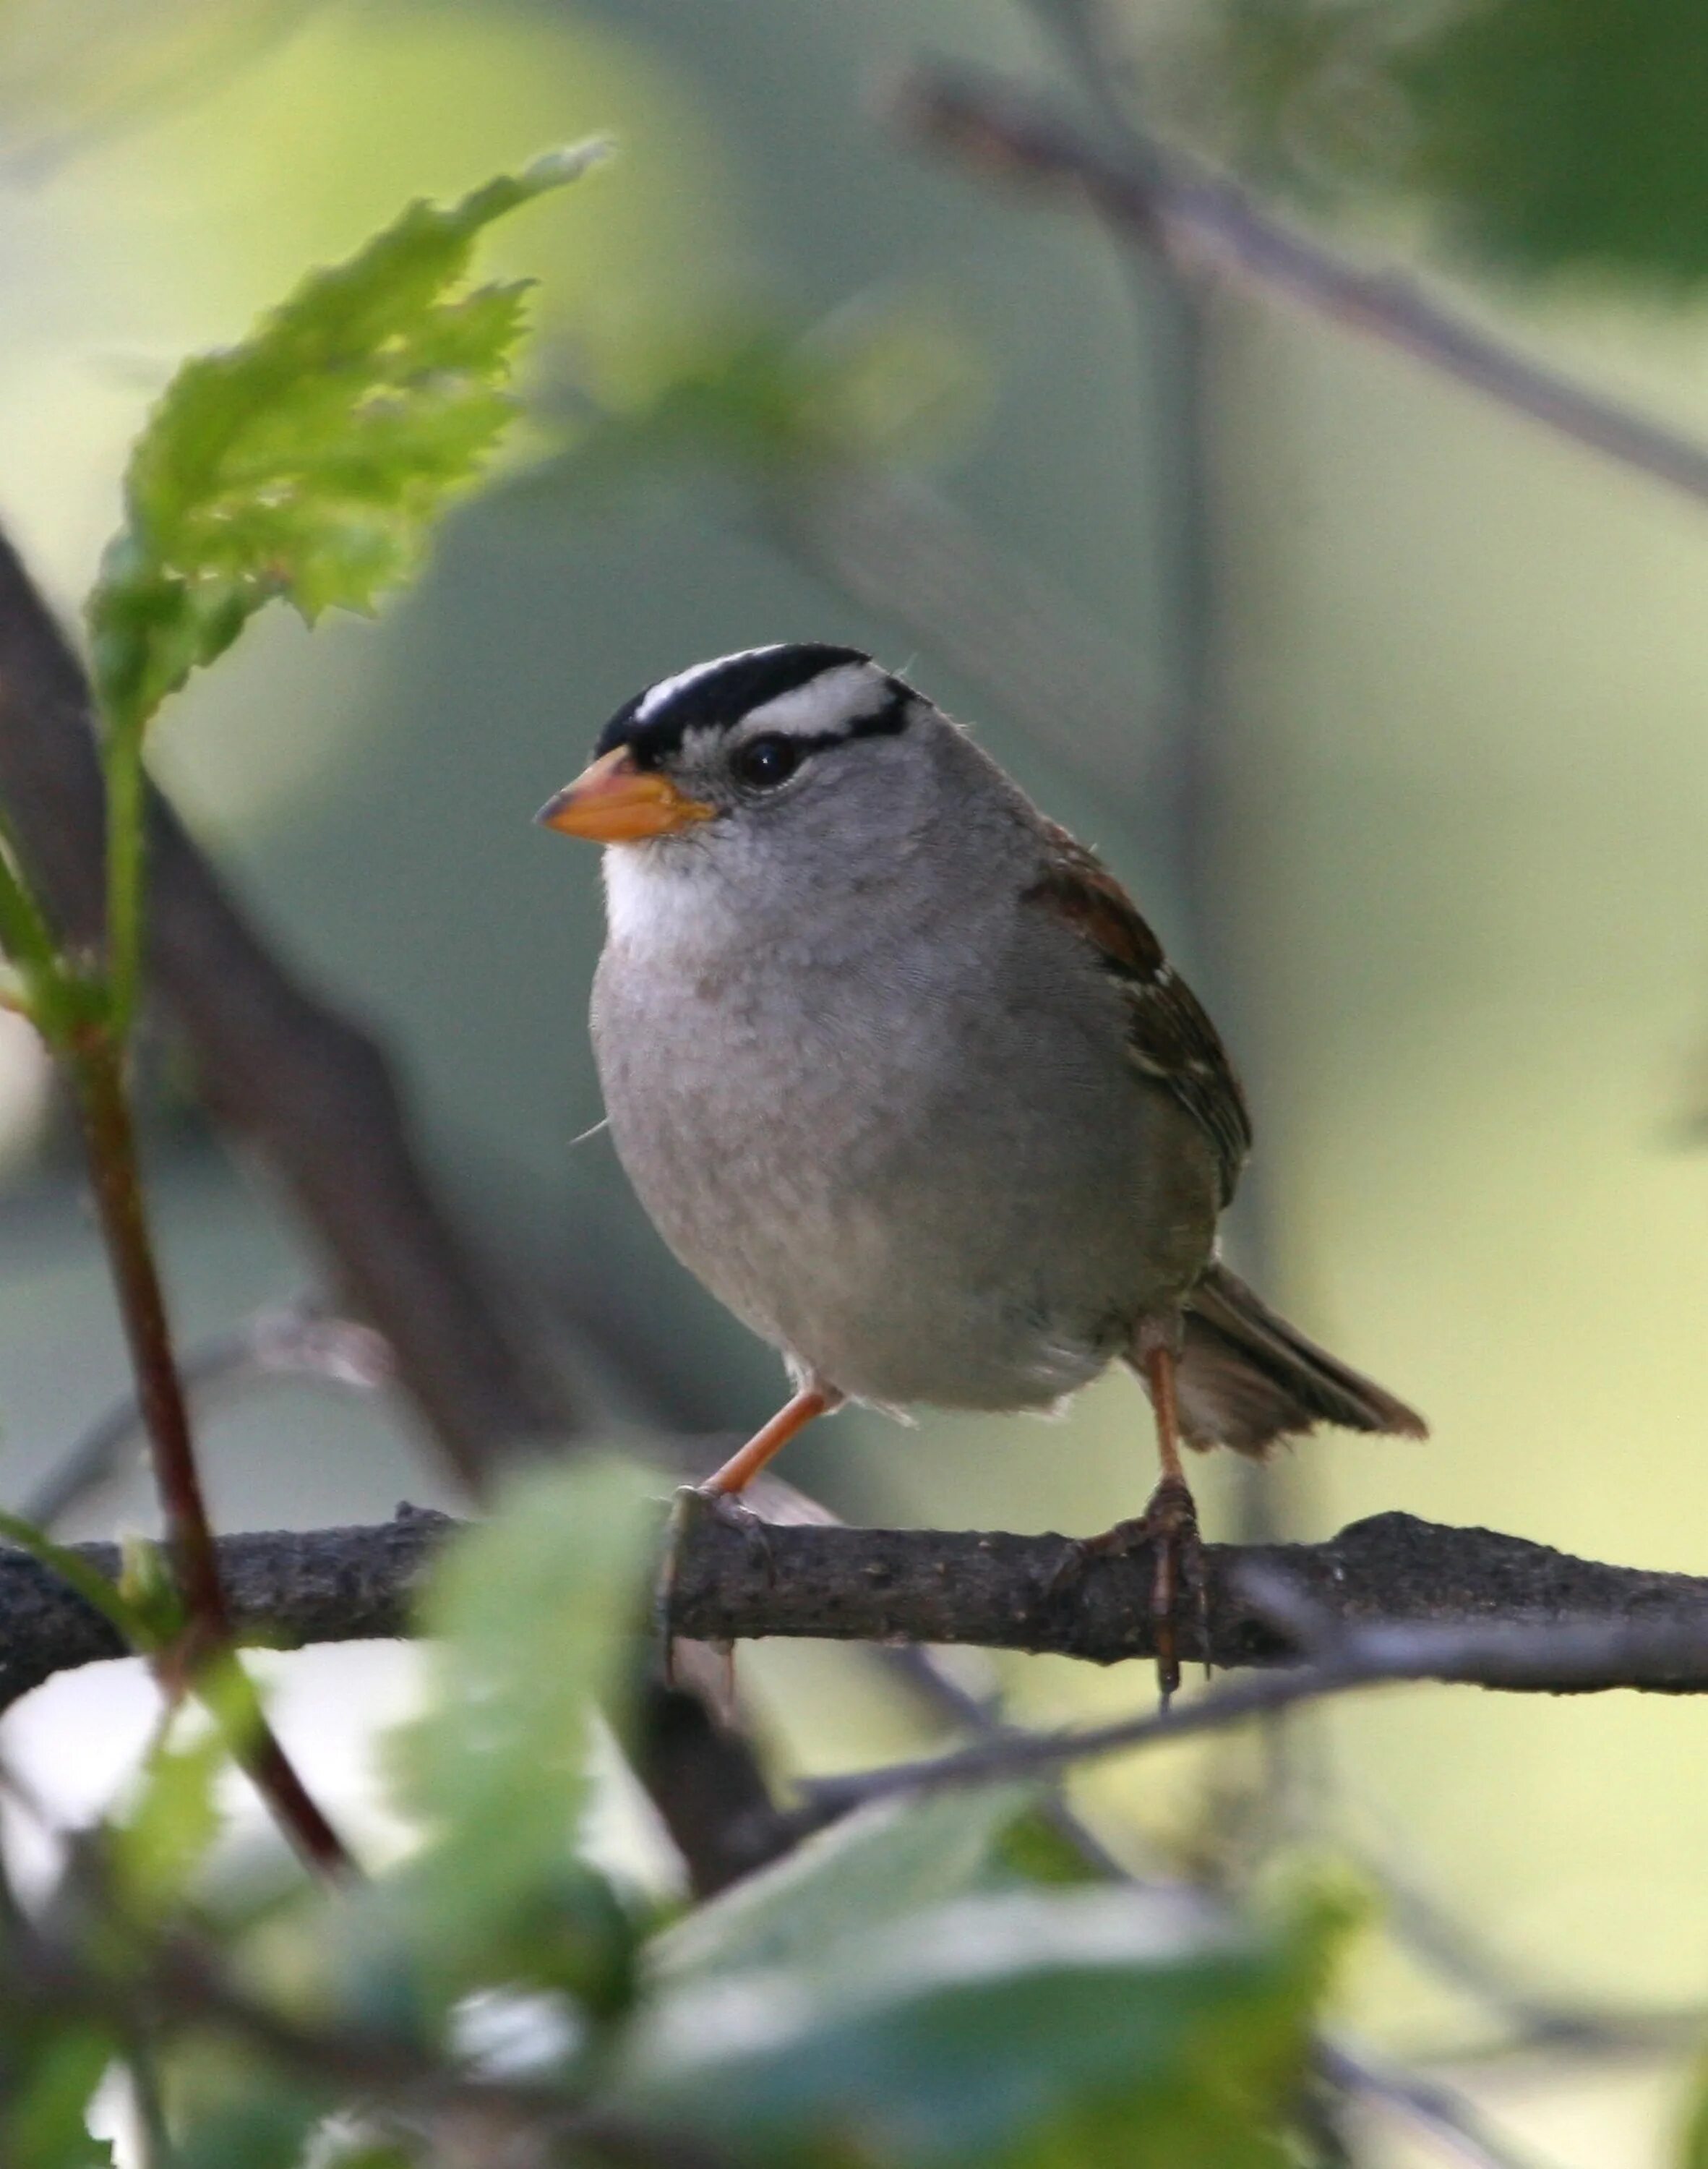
(1159, 1376)
(739, 1471)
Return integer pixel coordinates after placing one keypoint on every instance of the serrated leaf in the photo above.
(534, 1615)
(884, 1863)
(308, 462)
(1105, 2028)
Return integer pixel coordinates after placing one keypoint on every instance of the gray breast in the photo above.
(924, 1168)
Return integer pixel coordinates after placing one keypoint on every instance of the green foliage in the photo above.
(50, 2072)
(309, 460)
(156, 1848)
(776, 406)
(914, 1988)
(1548, 135)
(880, 1865)
(535, 1616)
(1107, 2026)
(132, 1619)
(268, 2124)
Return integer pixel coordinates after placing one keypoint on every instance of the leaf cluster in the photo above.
(1545, 137)
(903, 1990)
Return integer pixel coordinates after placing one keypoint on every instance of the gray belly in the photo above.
(972, 1206)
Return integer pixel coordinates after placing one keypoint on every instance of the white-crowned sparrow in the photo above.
(901, 1074)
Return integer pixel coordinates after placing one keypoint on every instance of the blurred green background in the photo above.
(1446, 884)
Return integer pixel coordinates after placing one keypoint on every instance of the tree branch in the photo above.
(1466, 1605)
(1171, 201)
(306, 1088)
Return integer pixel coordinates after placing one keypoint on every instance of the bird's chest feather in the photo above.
(755, 1090)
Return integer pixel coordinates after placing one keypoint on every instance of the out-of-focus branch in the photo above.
(1203, 219)
(1414, 1601)
(308, 1088)
(285, 1341)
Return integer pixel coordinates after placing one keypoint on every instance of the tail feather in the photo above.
(1247, 1379)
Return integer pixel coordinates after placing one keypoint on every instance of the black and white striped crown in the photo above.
(860, 699)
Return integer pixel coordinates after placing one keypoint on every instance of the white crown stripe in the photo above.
(829, 703)
(666, 691)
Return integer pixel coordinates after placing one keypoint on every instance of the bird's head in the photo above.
(752, 745)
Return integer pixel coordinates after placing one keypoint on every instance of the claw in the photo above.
(690, 1502)
(1169, 1529)
(1171, 1523)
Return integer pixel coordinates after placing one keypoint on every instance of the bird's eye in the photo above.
(763, 763)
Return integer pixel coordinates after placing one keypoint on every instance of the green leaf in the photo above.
(157, 1847)
(306, 463)
(91, 1585)
(776, 406)
(309, 461)
(1108, 2028)
(1035, 1849)
(270, 2128)
(885, 1862)
(1548, 136)
(43, 2124)
(534, 1616)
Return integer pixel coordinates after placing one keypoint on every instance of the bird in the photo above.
(901, 1075)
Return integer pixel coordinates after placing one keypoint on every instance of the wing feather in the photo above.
(1169, 1038)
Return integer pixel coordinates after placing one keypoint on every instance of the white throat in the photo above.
(664, 900)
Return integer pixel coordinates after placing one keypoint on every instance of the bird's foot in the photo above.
(690, 1502)
(1169, 1530)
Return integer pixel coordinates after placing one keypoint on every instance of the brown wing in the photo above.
(1168, 1036)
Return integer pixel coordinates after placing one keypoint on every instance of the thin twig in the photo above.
(1442, 2111)
(1561, 1657)
(1208, 219)
(96, 1060)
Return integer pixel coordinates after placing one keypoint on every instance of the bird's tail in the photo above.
(1247, 1379)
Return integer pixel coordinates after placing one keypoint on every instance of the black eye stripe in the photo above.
(886, 722)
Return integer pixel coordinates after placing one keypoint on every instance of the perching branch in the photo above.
(1171, 201)
(1400, 1598)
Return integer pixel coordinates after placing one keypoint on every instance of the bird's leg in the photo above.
(739, 1471)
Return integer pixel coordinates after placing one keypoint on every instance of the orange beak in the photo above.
(612, 802)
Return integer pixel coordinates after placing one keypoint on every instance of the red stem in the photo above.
(110, 1137)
